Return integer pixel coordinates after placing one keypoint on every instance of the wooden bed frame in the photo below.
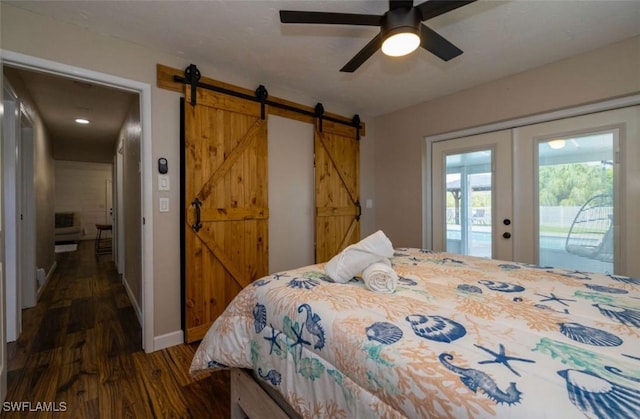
(252, 399)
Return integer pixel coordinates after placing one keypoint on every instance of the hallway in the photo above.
(81, 345)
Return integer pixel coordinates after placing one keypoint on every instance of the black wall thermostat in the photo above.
(163, 166)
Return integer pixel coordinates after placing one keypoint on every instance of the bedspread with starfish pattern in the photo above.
(460, 337)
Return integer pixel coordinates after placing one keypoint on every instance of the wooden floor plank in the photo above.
(197, 396)
(22, 347)
(52, 330)
(82, 315)
(154, 376)
(81, 345)
(132, 336)
(78, 370)
(43, 374)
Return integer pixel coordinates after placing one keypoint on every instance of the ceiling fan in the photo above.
(401, 28)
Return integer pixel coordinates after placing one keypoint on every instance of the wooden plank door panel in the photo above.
(226, 194)
(337, 186)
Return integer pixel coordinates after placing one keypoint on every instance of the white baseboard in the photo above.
(168, 340)
(52, 270)
(134, 302)
(47, 278)
(159, 342)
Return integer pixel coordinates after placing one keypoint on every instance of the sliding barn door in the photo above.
(337, 151)
(226, 206)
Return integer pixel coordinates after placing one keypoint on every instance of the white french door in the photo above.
(472, 200)
(570, 189)
(578, 185)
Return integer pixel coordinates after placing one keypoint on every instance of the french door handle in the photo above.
(197, 225)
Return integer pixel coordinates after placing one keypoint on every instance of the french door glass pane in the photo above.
(468, 198)
(575, 184)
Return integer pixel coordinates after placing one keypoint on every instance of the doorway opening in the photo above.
(144, 167)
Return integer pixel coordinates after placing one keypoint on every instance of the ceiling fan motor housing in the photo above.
(400, 20)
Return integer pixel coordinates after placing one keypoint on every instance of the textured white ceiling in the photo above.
(499, 38)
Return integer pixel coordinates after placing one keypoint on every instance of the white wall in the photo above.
(291, 194)
(81, 188)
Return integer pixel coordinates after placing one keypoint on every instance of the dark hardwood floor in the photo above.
(81, 345)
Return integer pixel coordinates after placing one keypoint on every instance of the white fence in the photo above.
(549, 216)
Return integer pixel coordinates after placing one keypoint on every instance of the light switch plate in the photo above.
(163, 183)
(164, 204)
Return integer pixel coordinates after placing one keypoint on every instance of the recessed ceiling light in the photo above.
(82, 121)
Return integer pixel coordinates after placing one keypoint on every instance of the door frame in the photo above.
(13, 294)
(143, 90)
(118, 214)
(26, 205)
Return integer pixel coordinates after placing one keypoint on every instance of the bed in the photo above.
(460, 337)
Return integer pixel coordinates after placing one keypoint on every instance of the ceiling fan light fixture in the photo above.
(557, 144)
(400, 44)
(401, 28)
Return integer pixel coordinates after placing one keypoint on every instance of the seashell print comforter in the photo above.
(462, 337)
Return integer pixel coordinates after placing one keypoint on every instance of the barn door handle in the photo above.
(197, 225)
(359, 213)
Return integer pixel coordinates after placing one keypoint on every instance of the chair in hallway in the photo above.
(103, 244)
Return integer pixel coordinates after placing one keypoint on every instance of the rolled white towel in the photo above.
(352, 260)
(380, 277)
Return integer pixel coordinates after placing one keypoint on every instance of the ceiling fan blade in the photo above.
(432, 8)
(363, 55)
(397, 4)
(328, 18)
(437, 45)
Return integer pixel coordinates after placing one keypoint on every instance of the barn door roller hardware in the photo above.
(192, 75)
(356, 123)
(192, 78)
(319, 114)
(261, 95)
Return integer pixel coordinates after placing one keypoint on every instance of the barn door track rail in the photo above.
(192, 77)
